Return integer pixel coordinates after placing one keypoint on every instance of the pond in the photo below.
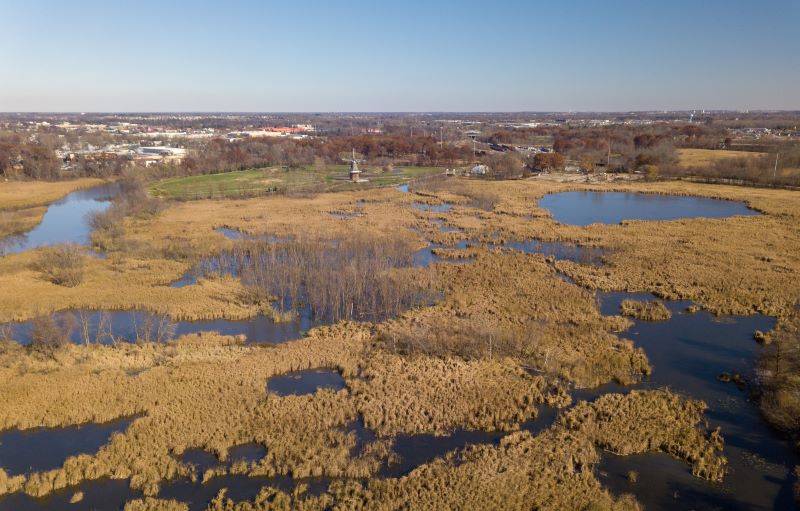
(34, 450)
(66, 220)
(433, 208)
(557, 250)
(688, 353)
(585, 208)
(237, 235)
(299, 383)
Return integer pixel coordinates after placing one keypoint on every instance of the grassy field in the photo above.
(705, 157)
(280, 179)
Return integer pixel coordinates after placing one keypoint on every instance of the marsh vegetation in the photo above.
(515, 349)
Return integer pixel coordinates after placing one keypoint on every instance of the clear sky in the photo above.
(407, 55)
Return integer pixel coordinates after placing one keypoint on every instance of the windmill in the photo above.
(355, 173)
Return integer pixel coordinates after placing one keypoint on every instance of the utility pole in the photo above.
(441, 136)
(608, 159)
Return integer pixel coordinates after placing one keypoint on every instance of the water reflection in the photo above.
(66, 221)
(106, 327)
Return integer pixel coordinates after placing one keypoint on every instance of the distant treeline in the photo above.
(507, 152)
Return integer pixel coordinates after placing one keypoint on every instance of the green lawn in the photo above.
(280, 179)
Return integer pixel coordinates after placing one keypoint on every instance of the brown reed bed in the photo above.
(646, 311)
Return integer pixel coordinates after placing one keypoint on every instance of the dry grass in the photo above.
(705, 157)
(208, 392)
(510, 304)
(398, 394)
(651, 420)
(151, 504)
(456, 364)
(646, 311)
(27, 194)
(553, 470)
(19, 221)
(672, 260)
(63, 265)
(118, 283)
(203, 392)
(272, 499)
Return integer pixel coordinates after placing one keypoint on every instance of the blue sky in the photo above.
(407, 55)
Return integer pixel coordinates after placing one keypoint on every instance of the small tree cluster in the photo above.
(63, 265)
(352, 278)
(49, 334)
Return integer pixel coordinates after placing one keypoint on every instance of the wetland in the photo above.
(432, 350)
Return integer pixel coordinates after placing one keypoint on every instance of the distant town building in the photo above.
(479, 170)
(161, 151)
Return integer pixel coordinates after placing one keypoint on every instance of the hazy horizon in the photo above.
(363, 57)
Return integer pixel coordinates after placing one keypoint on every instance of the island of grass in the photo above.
(310, 178)
(645, 311)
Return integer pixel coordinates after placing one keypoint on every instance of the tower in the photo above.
(355, 174)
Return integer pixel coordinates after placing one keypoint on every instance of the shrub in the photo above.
(62, 265)
(109, 225)
(49, 334)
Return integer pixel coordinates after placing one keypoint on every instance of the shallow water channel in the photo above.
(688, 353)
(66, 220)
(129, 325)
